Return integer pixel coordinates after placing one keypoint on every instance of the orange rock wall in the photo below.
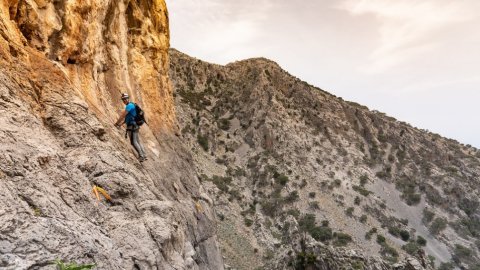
(103, 47)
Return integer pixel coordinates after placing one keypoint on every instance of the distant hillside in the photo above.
(284, 160)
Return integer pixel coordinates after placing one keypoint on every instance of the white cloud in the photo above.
(221, 28)
(406, 27)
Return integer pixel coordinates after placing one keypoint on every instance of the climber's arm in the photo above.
(121, 119)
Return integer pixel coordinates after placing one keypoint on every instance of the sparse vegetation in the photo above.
(363, 218)
(349, 211)
(203, 141)
(438, 225)
(362, 191)
(421, 241)
(224, 124)
(446, 266)
(411, 248)
(341, 239)
(408, 188)
(72, 266)
(248, 222)
(428, 216)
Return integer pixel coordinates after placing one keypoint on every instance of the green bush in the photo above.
(72, 266)
(349, 211)
(363, 218)
(248, 222)
(307, 223)
(381, 239)
(342, 239)
(322, 234)
(292, 197)
(438, 225)
(446, 266)
(362, 191)
(461, 253)
(357, 200)
(468, 206)
(224, 124)
(312, 194)
(203, 141)
(369, 234)
(282, 179)
(421, 241)
(389, 252)
(405, 235)
(304, 261)
(428, 216)
(411, 248)
(363, 180)
(294, 213)
(222, 183)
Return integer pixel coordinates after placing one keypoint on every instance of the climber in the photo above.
(128, 117)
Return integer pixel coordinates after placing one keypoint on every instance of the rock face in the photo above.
(105, 47)
(63, 65)
(282, 158)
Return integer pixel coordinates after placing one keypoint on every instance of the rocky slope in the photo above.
(286, 161)
(63, 65)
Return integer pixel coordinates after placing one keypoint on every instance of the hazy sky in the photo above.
(418, 61)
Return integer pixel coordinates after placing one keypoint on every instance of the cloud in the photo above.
(217, 27)
(407, 28)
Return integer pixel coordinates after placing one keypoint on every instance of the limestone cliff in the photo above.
(63, 65)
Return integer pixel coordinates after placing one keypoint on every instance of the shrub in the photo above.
(369, 234)
(292, 197)
(337, 182)
(282, 179)
(72, 266)
(357, 200)
(248, 222)
(438, 225)
(381, 239)
(314, 205)
(321, 233)
(461, 253)
(304, 260)
(446, 266)
(394, 231)
(224, 124)
(294, 213)
(389, 252)
(203, 141)
(421, 241)
(342, 239)
(307, 222)
(411, 248)
(349, 211)
(471, 225)
(312, 194)
(405, 235)
(363, 218)
(427, 216)
(408, 188)
(362, 191)
(468, 206)
(222, 183)
(363, 180)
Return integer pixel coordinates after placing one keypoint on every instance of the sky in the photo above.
(416, 60)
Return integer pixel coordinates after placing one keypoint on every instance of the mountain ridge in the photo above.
(243, 110)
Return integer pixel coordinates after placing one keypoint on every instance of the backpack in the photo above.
(140, 117)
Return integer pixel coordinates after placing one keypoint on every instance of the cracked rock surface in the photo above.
(63, 65)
